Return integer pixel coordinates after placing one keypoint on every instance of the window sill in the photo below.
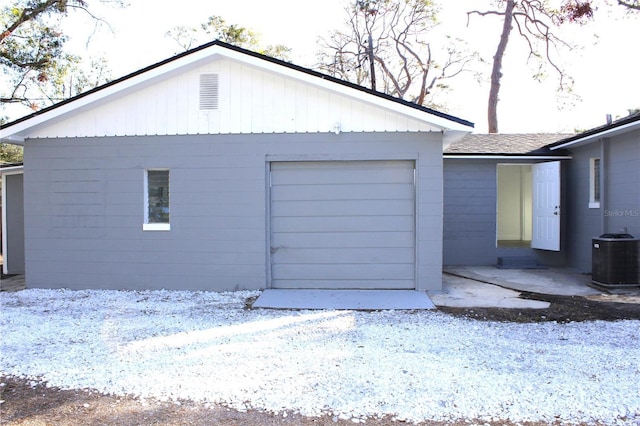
(156, 227)
(594, 205)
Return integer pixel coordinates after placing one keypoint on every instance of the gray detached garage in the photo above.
(221, 169)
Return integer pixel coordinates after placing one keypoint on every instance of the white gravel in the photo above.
(415, 366)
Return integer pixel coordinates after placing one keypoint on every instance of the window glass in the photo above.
(594, 183)
(596, 180)
(158, 196)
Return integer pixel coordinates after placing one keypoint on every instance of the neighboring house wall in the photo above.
(13, 206)
(620, 195)
(470, 215)
(84, 206)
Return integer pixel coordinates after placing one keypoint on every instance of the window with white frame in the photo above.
(594, 183)
(156, 200)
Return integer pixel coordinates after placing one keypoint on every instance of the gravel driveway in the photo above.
(414, 366)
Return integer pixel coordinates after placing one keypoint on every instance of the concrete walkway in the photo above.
(491, 287)
(460, 292)
(488, 286)
(558, 281)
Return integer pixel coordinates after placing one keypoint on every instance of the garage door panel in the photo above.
(339, 239)
(387, 284)
(343, 225)
(341, 208)
(380, 192)
(344, 272)
(346, 255)
(347, 224)
(379, 166)
(305, 166)
(301, 176)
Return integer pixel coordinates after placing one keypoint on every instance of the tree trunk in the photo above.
(496, 74)
(372, 63)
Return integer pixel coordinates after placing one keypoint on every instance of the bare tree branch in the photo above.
(404, 59)
(635, 5)
(29, 14)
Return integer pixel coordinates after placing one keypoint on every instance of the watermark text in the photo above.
(622, 213)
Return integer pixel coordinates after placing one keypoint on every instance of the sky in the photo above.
(604, 70)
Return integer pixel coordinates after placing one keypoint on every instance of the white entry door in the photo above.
(343, 225)
(546, 206)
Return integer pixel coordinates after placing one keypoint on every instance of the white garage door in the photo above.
(343, 225)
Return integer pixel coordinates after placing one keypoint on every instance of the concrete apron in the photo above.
(367, 300)
(459, 292)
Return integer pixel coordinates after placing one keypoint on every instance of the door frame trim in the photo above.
(4, 242)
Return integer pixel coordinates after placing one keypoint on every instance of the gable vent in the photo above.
(208, 91)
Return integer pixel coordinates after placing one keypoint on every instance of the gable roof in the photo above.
(16, 131)
(504, 144)
(623, 125)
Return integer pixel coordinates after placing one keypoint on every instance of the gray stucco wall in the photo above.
(620, 204)
(14, 257)
(84, 206)
(622, 197)
(469, 211)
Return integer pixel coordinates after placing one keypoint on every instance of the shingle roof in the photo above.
(505, 144)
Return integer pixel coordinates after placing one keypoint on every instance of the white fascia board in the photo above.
(505, 157)
(600, 135)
